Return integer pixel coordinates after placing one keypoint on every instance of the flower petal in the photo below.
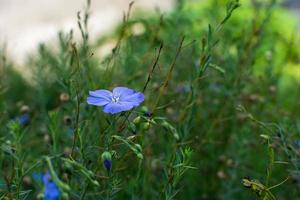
(46, 178)
(97, 101)
(114, 108)
(123, 91)
(135, 99)
(51, 191)
(106, 94)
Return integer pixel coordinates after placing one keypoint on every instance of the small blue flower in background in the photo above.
(23, 119)
(70, 132)
(297, 143)
(120, 99)
(38, 177)
(183, 89)
(51, 190)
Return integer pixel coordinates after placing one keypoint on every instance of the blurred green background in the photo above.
(228, 112)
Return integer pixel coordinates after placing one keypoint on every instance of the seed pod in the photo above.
(24, 109)
(64, 97)
(146, 125)
(137, 120)
(46, 138)
(40, 196)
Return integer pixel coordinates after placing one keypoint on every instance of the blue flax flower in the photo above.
(38, 177)
(51, 190)
(120, 99)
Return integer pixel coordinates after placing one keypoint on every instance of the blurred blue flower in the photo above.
(120, 99)
(38, 177)
(297, 143)
(51, 190)
(70, 132)
(23, 119)
(183, 88)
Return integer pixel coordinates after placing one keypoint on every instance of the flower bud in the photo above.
(137, 120)
(106, 160)
(138, 147)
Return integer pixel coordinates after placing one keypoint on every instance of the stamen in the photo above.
(115, 98)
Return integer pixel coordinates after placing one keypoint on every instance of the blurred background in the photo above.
(26, 23)
(221, 83)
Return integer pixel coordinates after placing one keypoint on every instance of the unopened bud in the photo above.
(138, 147)
(106, 160)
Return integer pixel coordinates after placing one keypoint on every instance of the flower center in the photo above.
(115, 98)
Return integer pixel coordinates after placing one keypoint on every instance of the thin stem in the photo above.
(76, 126)
(165, 85)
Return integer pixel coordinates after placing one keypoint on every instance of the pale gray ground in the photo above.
(26, 23)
